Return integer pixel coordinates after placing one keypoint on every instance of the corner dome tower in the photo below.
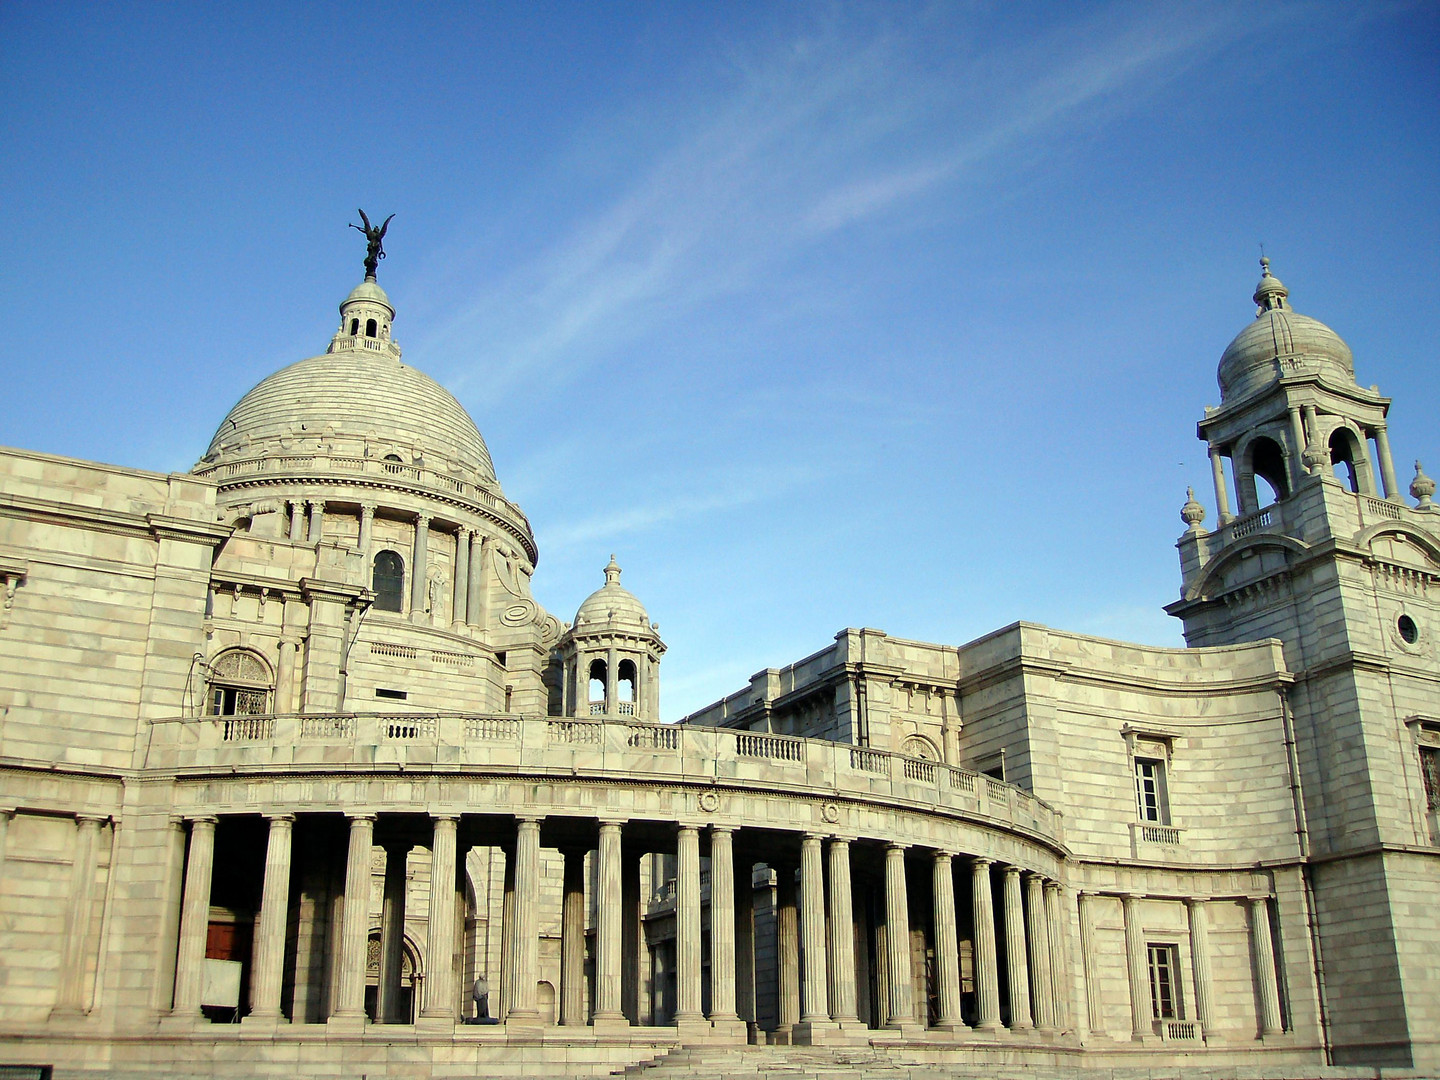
(1281, 342)
(611, 655)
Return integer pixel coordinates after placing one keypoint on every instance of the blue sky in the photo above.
(816, 315)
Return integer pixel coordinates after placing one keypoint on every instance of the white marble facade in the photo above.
(290, 756)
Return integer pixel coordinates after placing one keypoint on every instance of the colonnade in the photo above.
(818, 988)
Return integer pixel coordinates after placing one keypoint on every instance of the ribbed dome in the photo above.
(1281, 342)
(358, 397)
(612, 603)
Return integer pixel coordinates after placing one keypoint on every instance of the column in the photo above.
(355, 923)
(1040, 971)
(285, 677)
(897, 939)
(1200, 962)
(367, 532)
(1270, 1020)
(78, 912)
(477, 596)
(572, 939)
(612, 682)
(525, 948)
(1222, 496)
(632, 934)
(392, 935)
(787, 949)
(947, 944)
(1060, 985)
(1139, 968)
(1320, 466)
(418, 581)
(440, 994)
(297, 521)
(195, 917)
(814, 1005)
(745, 942)
(269, 952)
(167, 932)
(687, 924)
(507, 935)
(460, 607)
(316, 508)
(609, 926)
(1387, 465)
(722, 924)
(1297, 437)
(1015, 964)
(842, 936)
(987, 965)
(1094, 1007)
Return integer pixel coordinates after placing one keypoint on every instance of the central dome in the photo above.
(357, 400)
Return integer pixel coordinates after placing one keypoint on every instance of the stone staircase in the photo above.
(903, 1063)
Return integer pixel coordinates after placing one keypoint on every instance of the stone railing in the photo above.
(583, 746)
(1259, 521)
(309, 465)
(1151, 841)
(346, 342)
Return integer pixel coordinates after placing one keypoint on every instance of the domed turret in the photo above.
(612, 655)
(1281, 342)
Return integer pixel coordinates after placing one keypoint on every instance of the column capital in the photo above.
(97, 820)
(1011, 869)
(367, 509)
(813, 838)
(362, 816)
(941, 855)
(445, 817)
(979, 862)
(464, 532)
(1195, 901)
(524, 822)
(284, 820)
(202, 819)
(422, 520)
(895, 845)
(716, 830)
(1051, 885)
(612, 823)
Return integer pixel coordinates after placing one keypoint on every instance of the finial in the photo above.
(1192, 513)
(374, 250)
(1421, 488)
(612, 572)
(1264, 264)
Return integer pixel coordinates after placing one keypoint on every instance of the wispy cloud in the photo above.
(715, 495)
(788, 155)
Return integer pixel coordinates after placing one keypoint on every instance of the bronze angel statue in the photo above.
(374, 250)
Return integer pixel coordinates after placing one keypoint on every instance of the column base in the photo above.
(729, 1029)
(434, 1025)
(954, 1030)
(900, 1031)
(610, 1024)
(692, 1028)
(814, 1032)
(266, 1022)
(524, 1023)
(347, 1024)
(186, 1021)
(67, 1014)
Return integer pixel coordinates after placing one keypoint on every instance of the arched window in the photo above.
(595, 693)
(917, 746)
(1267, 462)
(370, 327)
(1345, 457)
(627, 683)
(240, 684)
(388, 581)
(354, 327)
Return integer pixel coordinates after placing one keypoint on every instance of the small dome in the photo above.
(1281, 342)
(611, 604)
(371, 293)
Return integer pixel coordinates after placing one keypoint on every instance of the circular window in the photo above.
(1409, 632)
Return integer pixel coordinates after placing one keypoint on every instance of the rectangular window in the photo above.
(1164, 981)
(1430, 770)
(394, 695)
(1150, 791)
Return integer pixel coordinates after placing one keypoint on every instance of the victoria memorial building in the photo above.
(290, 759)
